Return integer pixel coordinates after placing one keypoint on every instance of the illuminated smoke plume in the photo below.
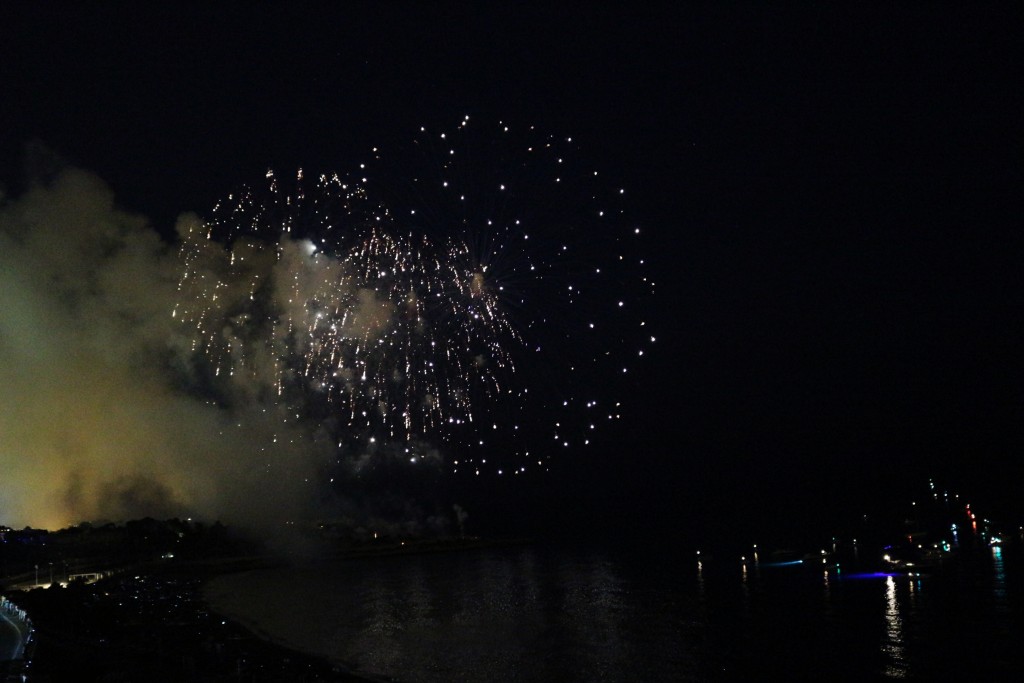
(95, 422)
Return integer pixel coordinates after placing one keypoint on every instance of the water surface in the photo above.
(541, 614)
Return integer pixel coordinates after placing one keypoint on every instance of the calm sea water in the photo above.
(545, 614)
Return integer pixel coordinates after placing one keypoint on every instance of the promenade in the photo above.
(14, 631)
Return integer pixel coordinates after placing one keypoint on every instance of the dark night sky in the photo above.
(832, 198)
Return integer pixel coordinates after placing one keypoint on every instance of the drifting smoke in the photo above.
(97, 419)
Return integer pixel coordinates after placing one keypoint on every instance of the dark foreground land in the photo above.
(153, 626)
(147, 620)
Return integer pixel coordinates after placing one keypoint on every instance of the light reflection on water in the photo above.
(526, 614)
(999, 580)
(893, 645)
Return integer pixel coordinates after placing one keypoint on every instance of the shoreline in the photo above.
(155, 626)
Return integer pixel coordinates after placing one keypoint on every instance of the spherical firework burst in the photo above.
(458, 293)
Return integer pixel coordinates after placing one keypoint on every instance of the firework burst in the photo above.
(455, 294)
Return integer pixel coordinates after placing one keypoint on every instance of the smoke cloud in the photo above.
(99, 418)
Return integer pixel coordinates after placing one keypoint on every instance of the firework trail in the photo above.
(420, 299)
